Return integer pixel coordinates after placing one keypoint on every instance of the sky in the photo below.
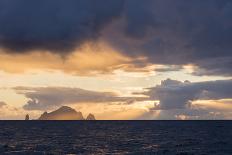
(117, 59)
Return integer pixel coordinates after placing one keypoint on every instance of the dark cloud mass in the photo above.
(180, 32)
(44, 98)
(56, 25)
(166, 32)
(174, 94)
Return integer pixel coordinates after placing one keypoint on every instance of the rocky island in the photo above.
(65, 113)
(90, 117)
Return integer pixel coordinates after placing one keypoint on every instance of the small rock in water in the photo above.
(27, 117)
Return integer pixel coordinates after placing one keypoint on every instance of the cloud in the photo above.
(165, 32)
(57, 26)
(208, 110)
(88, 59)
(178, 33)
(193, 114)
(174, 94)
(2, 104)
(196, 113)
(209, 67)
(44, 98)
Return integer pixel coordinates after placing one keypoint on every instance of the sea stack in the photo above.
(27, 117)
(90, 117)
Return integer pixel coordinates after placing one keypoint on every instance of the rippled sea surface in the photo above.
(116, 137)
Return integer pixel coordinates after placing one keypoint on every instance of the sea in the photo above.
(116, 137)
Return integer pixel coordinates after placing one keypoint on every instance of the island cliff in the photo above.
(65, 113)
(90, 117)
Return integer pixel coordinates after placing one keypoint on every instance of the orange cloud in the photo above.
(90, 58)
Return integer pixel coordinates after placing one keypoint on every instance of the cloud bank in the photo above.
(174, 94)
(165, 32)
(57, 26)
(44, 98)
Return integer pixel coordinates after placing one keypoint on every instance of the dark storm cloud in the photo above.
(215, 66)
(49, 97)
(174, 94)
(179, 32)
(56, 25)
(166, 32)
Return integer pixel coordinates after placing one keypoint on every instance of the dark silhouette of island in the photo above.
(65, 113)
(27, 117)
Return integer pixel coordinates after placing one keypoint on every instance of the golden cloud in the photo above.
(90, 58)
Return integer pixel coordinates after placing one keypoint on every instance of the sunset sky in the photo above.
(117, 59)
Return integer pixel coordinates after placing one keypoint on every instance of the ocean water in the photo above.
(116, 137)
